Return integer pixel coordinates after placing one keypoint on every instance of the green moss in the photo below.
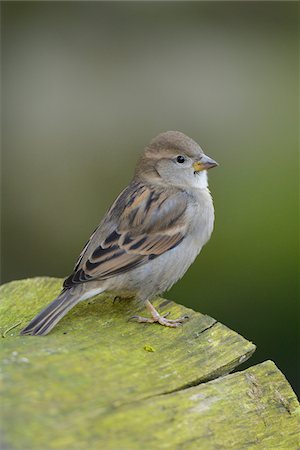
(148, 348)
(85, 384)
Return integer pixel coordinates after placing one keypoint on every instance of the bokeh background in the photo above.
(86, 85)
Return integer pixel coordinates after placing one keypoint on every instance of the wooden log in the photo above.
(99, 381)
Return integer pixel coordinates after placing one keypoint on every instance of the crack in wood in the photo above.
(198, 333)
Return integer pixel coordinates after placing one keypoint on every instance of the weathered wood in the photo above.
(107, 383)
(254, 409)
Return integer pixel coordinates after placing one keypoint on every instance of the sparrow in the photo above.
(148, 238)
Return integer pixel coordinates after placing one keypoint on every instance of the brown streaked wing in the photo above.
(149, 224)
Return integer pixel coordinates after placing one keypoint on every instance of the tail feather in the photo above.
(47, 319)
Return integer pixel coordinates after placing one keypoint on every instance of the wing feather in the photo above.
(141, 225)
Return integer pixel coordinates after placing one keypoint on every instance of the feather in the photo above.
(44, 322)
(142, 224)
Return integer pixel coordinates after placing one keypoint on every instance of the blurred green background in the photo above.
(87, 85)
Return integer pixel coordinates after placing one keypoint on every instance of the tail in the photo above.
(47, 319)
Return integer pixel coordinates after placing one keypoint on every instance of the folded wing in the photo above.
(141, 225)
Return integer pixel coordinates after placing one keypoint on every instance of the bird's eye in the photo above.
(180, 159)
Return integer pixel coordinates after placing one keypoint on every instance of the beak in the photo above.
(204, 163)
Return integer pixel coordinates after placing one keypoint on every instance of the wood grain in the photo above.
(99, 381)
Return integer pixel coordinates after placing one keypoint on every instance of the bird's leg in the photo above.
(157, 318)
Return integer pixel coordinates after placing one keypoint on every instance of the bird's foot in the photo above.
(157, 318)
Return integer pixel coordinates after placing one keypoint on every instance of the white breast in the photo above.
(202, 221)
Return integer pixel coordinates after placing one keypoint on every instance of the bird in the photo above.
(149, 237)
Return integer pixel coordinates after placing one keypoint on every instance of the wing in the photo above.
(141, 225)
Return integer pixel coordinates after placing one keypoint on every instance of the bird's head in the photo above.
(174, 158)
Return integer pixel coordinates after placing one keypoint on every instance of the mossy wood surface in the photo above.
(99, 381)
